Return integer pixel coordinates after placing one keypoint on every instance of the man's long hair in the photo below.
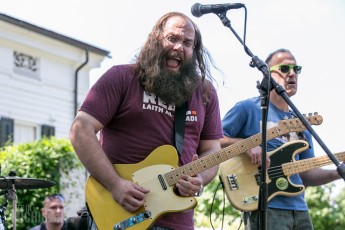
(148, 63)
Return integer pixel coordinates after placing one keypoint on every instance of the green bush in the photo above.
(45, 159)
(326, 212)
(214, 211)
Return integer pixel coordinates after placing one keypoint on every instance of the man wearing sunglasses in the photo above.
(244, 120)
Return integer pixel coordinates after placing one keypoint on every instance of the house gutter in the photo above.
(76, 82)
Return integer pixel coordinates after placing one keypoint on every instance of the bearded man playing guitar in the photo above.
(133, 108)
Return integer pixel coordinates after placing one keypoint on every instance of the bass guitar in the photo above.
(159, 172)
(241, 177)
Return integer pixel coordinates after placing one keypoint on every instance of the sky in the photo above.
(314, 31)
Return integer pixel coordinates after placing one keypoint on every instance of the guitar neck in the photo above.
(296, 167)
(211, 160)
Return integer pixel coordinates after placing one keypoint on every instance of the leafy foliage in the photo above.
(46, 159)
(214, 210)
(325, 212)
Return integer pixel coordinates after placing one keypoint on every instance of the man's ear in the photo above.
(43, 211)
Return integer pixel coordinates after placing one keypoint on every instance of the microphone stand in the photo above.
(272, 84)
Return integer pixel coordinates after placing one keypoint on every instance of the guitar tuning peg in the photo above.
(316, 113)
(310, 114)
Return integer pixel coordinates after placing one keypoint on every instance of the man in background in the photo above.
(53, 213)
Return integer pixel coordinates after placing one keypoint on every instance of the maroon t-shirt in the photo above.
(136, 123)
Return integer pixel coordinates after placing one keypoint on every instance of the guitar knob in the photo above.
(147, 214)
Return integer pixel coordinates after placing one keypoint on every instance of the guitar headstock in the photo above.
(296, 125)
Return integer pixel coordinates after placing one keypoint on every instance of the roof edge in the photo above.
(54, 35)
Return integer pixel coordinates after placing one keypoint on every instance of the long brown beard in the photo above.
(176, 87)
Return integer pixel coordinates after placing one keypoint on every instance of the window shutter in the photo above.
(47, 131)
(6, 130)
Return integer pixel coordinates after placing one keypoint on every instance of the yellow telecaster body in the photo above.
(160, 200)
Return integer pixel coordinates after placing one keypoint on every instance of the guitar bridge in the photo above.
(250, 200)
(132, 221)
(233, 183)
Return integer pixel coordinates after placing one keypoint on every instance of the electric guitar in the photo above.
(241, 177)
(159, 172)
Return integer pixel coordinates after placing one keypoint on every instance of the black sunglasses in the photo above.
(285, 68)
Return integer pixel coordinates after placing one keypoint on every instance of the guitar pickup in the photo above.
(132, 221)
(250, 200)
(233, 183)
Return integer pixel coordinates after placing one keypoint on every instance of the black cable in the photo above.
(240, 223)
(214, 197)
(223, 189)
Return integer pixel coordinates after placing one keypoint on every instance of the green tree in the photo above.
(326, 212)
(46, 159)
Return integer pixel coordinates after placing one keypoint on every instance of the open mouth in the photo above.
(291, 83)
(173, 62)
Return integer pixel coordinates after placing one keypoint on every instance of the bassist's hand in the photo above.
(255, 154)
(129, 195)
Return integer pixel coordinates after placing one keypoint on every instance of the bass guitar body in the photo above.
(241, 178)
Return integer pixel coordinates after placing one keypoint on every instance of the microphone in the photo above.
(198, 10)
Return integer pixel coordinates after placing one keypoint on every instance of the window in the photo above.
(24, 132)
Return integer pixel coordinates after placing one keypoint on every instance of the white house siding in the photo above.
(46, 96)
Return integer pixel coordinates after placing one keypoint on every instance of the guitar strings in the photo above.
(277, 171)
(273, 172)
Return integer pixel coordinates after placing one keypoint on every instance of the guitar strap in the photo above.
(180, 119)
